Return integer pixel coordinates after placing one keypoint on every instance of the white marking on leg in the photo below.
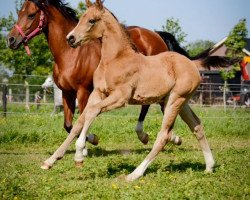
(80, 146)
(139, 171)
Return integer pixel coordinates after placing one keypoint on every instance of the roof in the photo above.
(246, 50)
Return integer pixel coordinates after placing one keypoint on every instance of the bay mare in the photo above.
(124, 76)
(73, 68)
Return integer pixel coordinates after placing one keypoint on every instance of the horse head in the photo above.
(31, 21)
(90, 25)
(48, 83)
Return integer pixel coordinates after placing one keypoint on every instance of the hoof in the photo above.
(122, 177)
(145, 139)
(79, 164)
(93, 139)
(209, 171)
(177, 140)
(45, 166)
(129, 178)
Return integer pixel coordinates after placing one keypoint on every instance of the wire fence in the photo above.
(17, 99)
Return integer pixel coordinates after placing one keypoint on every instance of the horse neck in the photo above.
(115, 41)
(58, 28)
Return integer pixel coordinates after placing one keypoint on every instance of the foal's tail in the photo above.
(203, 60)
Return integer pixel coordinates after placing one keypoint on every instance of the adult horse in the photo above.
(73, 69)
(125, 76)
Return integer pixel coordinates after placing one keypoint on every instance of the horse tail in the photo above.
(202, 60)
(215, 62)
(172, 43)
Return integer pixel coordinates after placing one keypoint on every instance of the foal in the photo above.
(125, 76)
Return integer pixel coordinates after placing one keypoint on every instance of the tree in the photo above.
(81, 8)
(199, 46)
(173, 26)
(235, 43)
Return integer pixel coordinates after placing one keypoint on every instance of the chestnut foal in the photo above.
(125, 76)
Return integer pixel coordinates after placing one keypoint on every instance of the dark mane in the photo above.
(60, 5)
(126, 33)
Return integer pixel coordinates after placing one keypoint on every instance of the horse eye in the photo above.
(32, 16)
(92, 21)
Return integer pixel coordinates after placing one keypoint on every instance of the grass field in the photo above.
(177, 173)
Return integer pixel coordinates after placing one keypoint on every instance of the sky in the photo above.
(200, 19)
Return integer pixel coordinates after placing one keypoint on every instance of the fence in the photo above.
(26, 98)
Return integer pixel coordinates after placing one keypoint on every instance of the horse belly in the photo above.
(151, 89)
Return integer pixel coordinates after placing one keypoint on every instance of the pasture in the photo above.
(26, 140)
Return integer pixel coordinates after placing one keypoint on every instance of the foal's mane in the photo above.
(125, 31)
(68, 12)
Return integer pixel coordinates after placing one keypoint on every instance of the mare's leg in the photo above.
(69, 109)
(171, 111)
(196, 127)
(143, 137)
(82, 97)
(115, 100)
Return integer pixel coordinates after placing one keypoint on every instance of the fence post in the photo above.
(224, 96)
(27, 95)
(5, 90)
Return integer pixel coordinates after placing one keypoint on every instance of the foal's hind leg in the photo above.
(143, 137)
(196, 127)
(172, 109)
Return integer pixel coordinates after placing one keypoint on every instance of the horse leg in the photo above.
(75, 131)
(82, 97)
(171, 111)
(196, 127)
(175, 139)
(143, 137)
(69, 109)
(93, 108)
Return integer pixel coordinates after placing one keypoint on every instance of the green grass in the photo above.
(177, 173)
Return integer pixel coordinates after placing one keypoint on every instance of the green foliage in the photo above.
(235, 43)
(199, 46)
(173, 26)
(81, 8)
(177, 173)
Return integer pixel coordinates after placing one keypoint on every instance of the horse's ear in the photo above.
(99, 4)
(88, 3)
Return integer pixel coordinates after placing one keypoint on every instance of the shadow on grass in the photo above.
(114, 170)
(100, 152)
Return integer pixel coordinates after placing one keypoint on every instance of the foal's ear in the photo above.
(99, 4)
(88, 3)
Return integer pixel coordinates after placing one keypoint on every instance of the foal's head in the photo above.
(90, 26)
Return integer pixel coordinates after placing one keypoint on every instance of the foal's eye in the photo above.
(92, 21)
(32, 16)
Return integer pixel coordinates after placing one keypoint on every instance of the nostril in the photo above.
(71, 39)
(11, 40)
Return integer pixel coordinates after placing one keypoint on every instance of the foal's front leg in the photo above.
(92, 110)
(59, 153)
